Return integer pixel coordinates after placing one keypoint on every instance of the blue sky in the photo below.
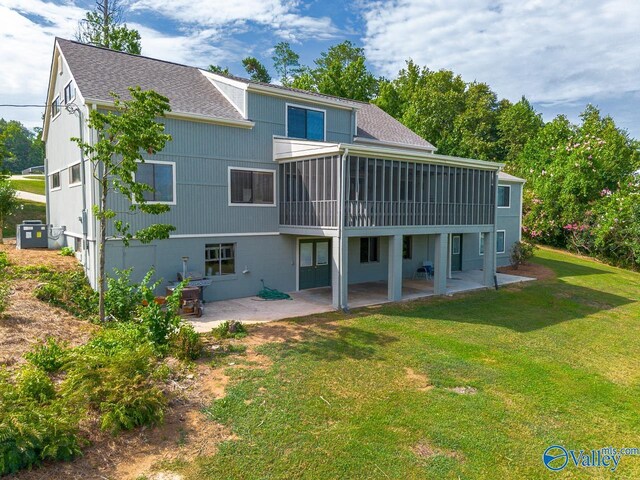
(561, 54)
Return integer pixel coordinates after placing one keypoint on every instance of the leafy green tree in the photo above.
(104, 27)
(256, 70)
(219, 69)
(123, 135)
(8, 202)
(342, 71)
(286, 63)
(475, 127)
(23, 148)
(517, 124)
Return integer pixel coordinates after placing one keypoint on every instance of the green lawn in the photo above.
(555, 362)
(30, 211)
(32, 185)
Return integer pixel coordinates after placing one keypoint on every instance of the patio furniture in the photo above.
(425, 271)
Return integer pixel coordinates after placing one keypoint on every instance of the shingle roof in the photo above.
(376, 124)
(99, 71)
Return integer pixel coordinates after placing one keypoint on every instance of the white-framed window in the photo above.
(75, 176)
(369, 250)
(504, 196)
(305, 122)
(219, 259)
(501, 240)
(55, 107)
(54, 183)
(69, 92)
(161, 176)
(252, 186)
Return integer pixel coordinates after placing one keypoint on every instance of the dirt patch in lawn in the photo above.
(532, 270)
(427, 451)
(418, 381)
(28, 320)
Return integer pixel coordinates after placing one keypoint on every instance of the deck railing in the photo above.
(316, 213)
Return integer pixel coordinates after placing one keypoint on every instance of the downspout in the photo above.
(495, 229)
(342, 286)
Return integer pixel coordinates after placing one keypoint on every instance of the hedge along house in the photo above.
(298, 189)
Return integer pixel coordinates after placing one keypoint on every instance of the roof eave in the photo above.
(374, 141)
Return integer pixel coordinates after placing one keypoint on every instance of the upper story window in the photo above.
(55, 181)
(504, 196)
(55, 107)
(305, 123)
(74, 174)
(161, 176)
(251, 187)
(69, 92)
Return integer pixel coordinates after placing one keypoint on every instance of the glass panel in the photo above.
(500, 242)
(144, 174)
(306, 254)
(262, 187)
(481, 249)
(373, 249)
(296, 122)
(322, 253)
(503, 196)
(241, 186)
(406, 247)
(364, 250)
(315, 125)
(455, 248)
(163, 180)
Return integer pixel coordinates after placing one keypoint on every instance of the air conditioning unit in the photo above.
(31, 234)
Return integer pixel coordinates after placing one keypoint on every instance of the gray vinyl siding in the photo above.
(268, 257)
(235, 94)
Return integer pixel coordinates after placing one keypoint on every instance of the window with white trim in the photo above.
(55, 180)
(55, 107)
(500, 241)
(504, 196)
(305, 123)
(69, 92)
(160, 176)
(251, 187)
(369, 250)
(75, 176)
(220, 259)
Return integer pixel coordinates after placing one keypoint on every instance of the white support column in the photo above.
(489, 258)
(394, 276)
(339, 272)
(440, 264)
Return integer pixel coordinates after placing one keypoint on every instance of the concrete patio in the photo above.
(318, 300)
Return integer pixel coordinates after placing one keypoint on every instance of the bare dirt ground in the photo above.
(529, 270)
(28, 320)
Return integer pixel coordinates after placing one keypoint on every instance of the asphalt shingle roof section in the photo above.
(99, 71)
(376, 124)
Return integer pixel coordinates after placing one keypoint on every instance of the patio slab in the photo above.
(318, 300)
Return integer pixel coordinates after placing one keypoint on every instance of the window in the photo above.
(455, 245)
(500, 241)
(55, 180)
(369, 250)
(305, 123)
(481, 244)
(504, 196)
(161, 177)
(69, 92)
(255, 187)
(219, 259)
(74, 174)
(407, 244)
(55, 107)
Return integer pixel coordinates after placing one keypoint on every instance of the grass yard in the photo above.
(30, 211)
(30, 184)
(465, 387)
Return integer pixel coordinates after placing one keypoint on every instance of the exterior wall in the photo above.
(234, 94)
(268, 257)
(64, 204)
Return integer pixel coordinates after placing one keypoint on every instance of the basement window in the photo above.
(55, 181)
(219, 259)
(74, 174)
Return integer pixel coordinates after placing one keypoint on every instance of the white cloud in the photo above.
(554, 51)
(230, 16)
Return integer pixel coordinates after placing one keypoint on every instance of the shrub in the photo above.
(33, 382)
(68, 290)
(186, 343)
(520, 253)
(67, 252)
(4, 294)
(123, 297)
(229, 329)
(48, 355)
(4, 261)
(160, 321)
(31, 432)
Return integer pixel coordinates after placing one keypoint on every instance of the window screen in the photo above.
(504, 194)
(158, 176)
(252, 187)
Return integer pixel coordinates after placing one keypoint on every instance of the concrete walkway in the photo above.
(318, 300)
(33, 197)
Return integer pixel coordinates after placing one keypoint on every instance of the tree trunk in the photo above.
(1, 227)
(101, 247)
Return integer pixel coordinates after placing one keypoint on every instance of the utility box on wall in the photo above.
(31, 234)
